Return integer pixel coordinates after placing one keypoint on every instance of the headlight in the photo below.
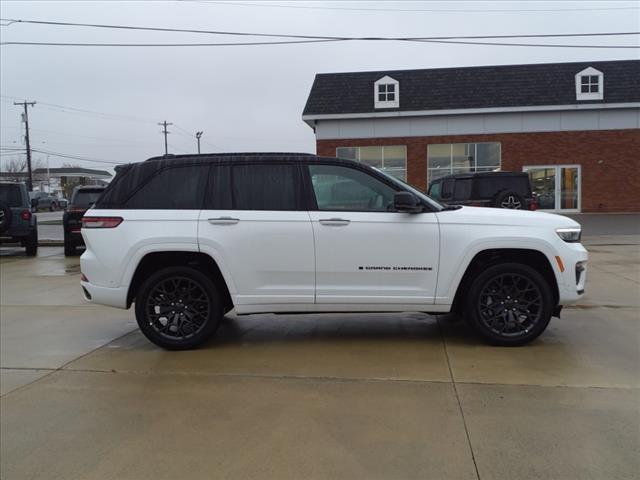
(570, 235)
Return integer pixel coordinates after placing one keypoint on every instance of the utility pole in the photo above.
(25, 116)
(165, 124)
(198, 135)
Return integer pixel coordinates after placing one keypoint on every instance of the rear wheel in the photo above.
(509, 304)
(31, 244)
(178, 308)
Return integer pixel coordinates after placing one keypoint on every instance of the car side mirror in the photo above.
(406, 202)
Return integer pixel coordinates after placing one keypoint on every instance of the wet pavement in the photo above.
(84, 395)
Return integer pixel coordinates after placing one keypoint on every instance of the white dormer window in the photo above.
(386, 93)
(589, 84)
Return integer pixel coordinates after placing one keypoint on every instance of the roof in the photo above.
(472, 87)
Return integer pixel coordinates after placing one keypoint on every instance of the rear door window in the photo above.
(462, 189)
(447, 189)
(266, 187)
(10, 195)
(178, 188)
(85, 198)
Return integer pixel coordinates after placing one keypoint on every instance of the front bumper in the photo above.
(573, 279)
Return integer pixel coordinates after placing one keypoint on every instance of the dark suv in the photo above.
(487, 189)
(17, 223)
(82, 198)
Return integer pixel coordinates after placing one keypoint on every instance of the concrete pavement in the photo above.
(84, 395)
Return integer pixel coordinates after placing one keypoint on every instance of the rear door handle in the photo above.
(336, 222)
(223, 221)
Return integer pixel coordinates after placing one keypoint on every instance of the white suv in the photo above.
(189, 238)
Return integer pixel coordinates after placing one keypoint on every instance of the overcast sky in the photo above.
(247, 98)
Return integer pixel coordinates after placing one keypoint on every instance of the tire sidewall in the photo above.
(213, 321)
(472, 299)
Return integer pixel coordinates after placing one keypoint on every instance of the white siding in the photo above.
(516, 122)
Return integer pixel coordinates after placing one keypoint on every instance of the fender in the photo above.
(449, 276)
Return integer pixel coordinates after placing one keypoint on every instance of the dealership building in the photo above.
(574, 127)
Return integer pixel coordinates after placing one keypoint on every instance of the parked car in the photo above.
(17, 223)
(190, 237)
(43, 201)
(82, 198)
(63, 203)
(487, 189)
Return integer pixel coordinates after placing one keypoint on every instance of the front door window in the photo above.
(557, 187)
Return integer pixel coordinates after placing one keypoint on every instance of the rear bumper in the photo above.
(15, 234)
(111, 297)
(74, 237)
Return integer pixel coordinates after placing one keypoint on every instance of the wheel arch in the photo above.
(155, 261)
(493, 256)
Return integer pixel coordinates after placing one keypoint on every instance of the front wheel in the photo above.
(509, 304)
(178, 308)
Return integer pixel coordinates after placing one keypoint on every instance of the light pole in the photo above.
(198, 135)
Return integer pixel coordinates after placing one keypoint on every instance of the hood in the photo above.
(504, 216)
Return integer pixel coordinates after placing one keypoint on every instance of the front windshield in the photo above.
(405, 186)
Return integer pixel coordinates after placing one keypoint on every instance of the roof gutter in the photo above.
(312, 118)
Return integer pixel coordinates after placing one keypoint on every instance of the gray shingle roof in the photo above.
(472, 87)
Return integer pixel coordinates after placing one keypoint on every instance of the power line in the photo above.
(51, 44)
(76, 157)
(308, 37)
(307, 7)
(67, 109)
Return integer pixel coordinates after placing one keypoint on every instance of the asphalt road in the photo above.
(85, 395)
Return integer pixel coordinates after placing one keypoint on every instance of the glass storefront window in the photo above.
(557, 187)
(452, 158)
(390, 159)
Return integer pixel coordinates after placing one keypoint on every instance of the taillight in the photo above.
(83, 277)
(76, 210)
(25, 215)
(533, 205)
(101, 222)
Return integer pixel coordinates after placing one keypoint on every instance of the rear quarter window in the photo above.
(10, 195)
(488, 187)
(172, 188)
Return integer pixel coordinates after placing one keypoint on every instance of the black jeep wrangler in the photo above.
(17, 223)
(485, 189)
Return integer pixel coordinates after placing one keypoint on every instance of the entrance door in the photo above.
(557, 187)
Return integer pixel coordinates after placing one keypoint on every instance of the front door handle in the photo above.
(336, 222)
(223, 221)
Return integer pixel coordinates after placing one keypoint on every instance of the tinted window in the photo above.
(10, 195)
(179, 188)
(266, 187)
(342, 188)
(218, 194)
(434, 190)
(462, 189)
(447, 189)
(488, 187)
(84, 198)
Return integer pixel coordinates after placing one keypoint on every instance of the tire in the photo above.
(509, 199)
(176, 287)
(31, 244)
(52, 207)
(5, 217)
(509, 304)
(69, 248)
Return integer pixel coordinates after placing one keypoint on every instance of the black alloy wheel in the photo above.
(178, 308)
(509, 304)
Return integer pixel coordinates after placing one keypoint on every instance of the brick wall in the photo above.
(610, 160)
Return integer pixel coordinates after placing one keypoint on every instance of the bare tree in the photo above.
(17, 165)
